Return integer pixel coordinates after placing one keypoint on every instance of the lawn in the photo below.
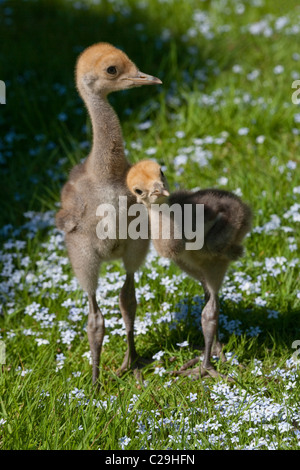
(223, 117)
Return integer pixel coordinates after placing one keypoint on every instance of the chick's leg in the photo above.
(209, 323)
(128, 309)
(127, 302)
(211, 277)
(86, 264)
(95, 332)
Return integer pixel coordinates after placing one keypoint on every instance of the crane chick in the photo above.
(98, 181)
(226, 222)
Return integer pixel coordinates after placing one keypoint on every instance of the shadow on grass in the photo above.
(44, 117)
(253, 332)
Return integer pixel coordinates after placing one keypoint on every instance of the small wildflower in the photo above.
(260, 139)
(158, 355)
(278, 69)
(243, 131)
(183, 344)
(192, 397)
(124, 441)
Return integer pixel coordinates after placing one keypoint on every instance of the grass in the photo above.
(223, 117)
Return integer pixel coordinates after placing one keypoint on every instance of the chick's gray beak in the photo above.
(143, 79)
(160, 192)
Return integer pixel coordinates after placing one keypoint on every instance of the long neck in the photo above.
(107, 157)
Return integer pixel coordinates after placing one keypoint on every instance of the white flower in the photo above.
(281, 22)
(278, 69)
(222, 181)
(151, 151)
(243, 131)
(284, 427)
(41, 341)
(291, 165)
(238, 192)
(159, 371)
(250, 431)
(261, 27)
(124, 441)
(260, 302)
(180, 134)
(215, 425)
(180, 160)
(237, 69)
(260, 139)
(183, 344)
(88, 354)
(192, 397)
(297, 432)
(76, 374)
(77, 393)
(273, 224)
(297, 117)
(293, 247)
(32, 308)
(23, 372)
(67, 336)
(253, 75)
(293, 213)
(158, 355)
(144, 125)
(60, 357)
(290, 385)
(240, 8)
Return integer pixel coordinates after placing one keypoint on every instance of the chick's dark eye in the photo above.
(112, 70)
(138, 191)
